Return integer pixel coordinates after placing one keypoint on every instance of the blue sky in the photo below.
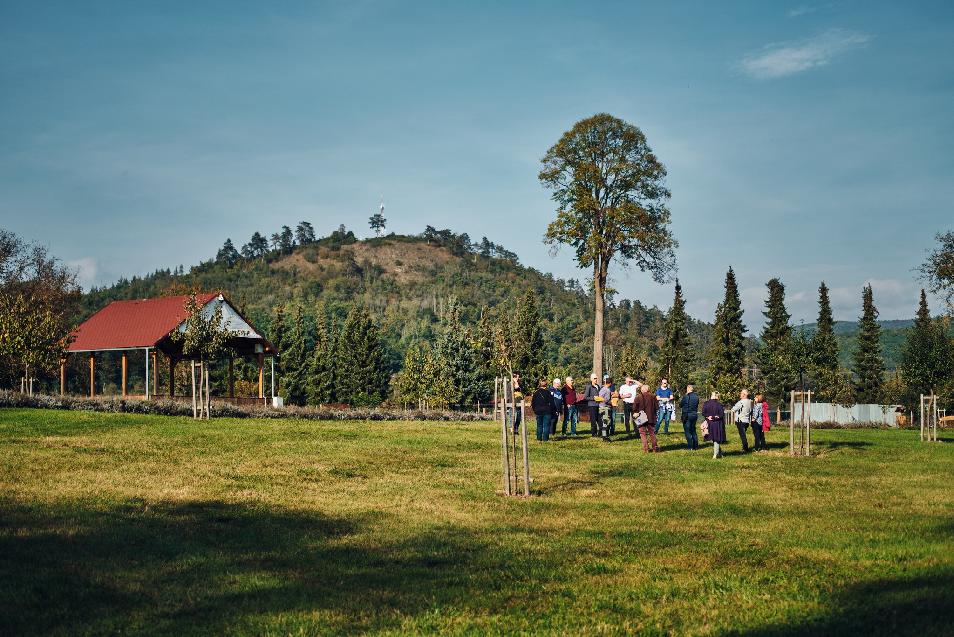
(807, 141)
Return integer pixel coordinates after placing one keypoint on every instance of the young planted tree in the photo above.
(527, 335)
(779, 367)
(727, 351)
(868, 367)
(204, 339)
(677, 358)
(611, 198)
(925, 356)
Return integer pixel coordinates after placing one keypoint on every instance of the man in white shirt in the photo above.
(628, 392)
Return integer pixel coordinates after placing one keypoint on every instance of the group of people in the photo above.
(647, 412)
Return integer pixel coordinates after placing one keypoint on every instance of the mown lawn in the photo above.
(115, 523)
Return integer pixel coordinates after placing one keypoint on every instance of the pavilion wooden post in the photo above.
(172, 377)
(92, 375)
(62, 376)
(155, 372)
(261, 375)
(125, 361)
(231, 377)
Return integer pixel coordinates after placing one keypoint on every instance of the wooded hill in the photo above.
(406, 282)
(893, 334)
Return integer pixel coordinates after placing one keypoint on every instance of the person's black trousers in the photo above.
(627, 414)
(759, 436)
(742, 426)
(594, 420)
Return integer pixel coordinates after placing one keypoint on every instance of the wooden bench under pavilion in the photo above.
(148, 324)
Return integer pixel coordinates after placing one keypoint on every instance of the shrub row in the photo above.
(165, 407)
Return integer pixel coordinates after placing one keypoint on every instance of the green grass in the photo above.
(116, 523)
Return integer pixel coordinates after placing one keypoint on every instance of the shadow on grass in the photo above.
(212, 567)
(917, 606)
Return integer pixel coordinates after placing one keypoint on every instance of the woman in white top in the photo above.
(743, 415)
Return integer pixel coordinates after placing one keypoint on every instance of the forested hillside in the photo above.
(406, 282)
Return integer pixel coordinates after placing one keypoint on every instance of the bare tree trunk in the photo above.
(599, 305)
(195, 405)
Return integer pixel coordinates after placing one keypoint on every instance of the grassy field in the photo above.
(114, 523)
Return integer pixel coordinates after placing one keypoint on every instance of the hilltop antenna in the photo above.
(377, 221)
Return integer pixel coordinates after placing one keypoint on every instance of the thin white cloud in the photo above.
(788, 58)
(801, 10)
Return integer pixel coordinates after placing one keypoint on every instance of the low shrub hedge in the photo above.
(166, 407)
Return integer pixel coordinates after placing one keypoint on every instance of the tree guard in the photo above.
(505, 411)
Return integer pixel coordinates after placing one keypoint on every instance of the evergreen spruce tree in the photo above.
(410, 383)
(779, 367)
(363, 377)
(925, 356)
(727, 351)
(294, 388)
(321, 373)
(677, 349)
(824, 346)
(458, 362)
(528, 348)
(868, 364)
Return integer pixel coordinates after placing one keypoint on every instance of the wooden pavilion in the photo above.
(147, 325)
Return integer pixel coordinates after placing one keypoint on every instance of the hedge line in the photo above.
(166, 407)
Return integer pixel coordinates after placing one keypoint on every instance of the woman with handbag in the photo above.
(714, 415)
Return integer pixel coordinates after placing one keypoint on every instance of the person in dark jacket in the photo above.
(714, 413)
(543, 407)
(593, 405)
(556, 390)
(689, 412)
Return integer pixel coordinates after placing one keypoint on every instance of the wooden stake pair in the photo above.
(505, 411)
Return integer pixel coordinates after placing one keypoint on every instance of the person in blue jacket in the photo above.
(664, 407)
(689, 412)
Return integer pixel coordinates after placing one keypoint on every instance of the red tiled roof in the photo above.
(140, 323)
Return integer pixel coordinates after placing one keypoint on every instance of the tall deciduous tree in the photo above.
(727, 351)
(938, 269)
(925, 356)
(779, 369)
(527, 334)
(677, 356)
(38, 300)
(611, 198)
(868, 364)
